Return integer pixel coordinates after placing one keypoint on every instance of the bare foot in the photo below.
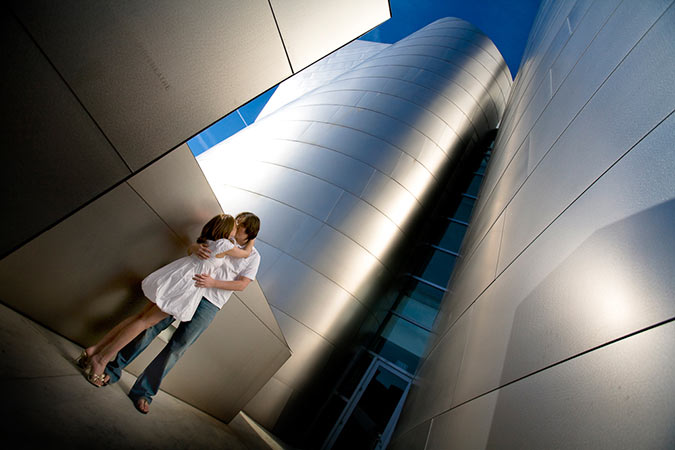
(142, 405)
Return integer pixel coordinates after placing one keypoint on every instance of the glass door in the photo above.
(371, 414)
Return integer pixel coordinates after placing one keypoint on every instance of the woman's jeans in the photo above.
(147, 384)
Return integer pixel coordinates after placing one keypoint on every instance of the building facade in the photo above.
(341, 170)
(557, 331)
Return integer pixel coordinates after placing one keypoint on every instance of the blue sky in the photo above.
(506, 22)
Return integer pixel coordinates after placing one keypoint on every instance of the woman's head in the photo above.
(220, 227)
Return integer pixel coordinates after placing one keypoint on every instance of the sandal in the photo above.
(83, 360)
(94, 379)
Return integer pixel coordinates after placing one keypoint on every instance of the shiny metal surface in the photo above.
(312, 29)
(413, 440)
(185, 208)
(578, 305)
(323, 71)
(563, 282)
(171, 72)
(44, 128)
(75, 280)
(628, 406)
(337, 195)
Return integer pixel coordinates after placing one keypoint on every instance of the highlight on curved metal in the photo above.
(558, 325)
(338, 174)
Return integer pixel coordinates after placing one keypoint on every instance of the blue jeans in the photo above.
(147, 383)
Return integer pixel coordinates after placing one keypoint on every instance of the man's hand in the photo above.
(201, 250)
(204, 280)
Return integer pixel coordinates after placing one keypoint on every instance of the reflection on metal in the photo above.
(562, 297)
(339, 174)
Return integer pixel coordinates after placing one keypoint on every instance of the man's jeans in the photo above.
(147, 384)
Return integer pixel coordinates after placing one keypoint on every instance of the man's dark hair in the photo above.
(250, 222)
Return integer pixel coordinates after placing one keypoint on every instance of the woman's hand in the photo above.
(201, 250)
(204, 280)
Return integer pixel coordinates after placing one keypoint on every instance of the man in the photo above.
(234, 275)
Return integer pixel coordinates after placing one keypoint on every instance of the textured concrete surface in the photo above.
(47, 401)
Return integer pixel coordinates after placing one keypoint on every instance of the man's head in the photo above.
(248, 225)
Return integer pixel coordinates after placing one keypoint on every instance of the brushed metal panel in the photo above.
(312, 29)
(306, 193)
(467, 426)
(390, 198)
(344, 262)
(89, 266)
(365, 147)
(445, 69)
(460, 96)
(314, 112)
(533, 58)
(152, 74)
(589, 25)
(336, 168)
(45, 127)
(639, 98)
(277, 129)
(393, 131)
(185, 206)
(321, 72)
(254, 299)
(483, 218)
(468, 42)
(413, 176)
(414, 439)
(436, 378)
(310, 352)
(600, 271)
(311, 298)
(606, 402)
(328, 97)
(266, 406)
(626, 26)
(221, 360)
(349, 215)
(433, 124)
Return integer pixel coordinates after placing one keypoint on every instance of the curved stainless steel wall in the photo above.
(338, 174)
(558, 331)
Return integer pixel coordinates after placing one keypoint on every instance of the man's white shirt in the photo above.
(230, 270)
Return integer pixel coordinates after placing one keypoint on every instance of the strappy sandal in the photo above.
(83, 360)
(95, 378)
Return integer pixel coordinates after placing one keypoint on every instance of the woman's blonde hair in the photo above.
(219, 227)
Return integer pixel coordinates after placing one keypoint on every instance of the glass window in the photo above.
(426, 294)
(452, 238)
(402, 343)
(355, 374)
(417, 310)
(439, 268)
(474, 186)
(464, 208)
